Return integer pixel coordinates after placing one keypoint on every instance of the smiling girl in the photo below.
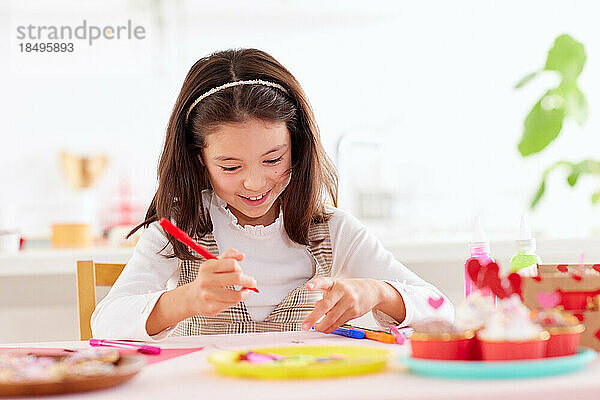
(243, 169)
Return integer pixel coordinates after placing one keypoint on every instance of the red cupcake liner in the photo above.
(564, 341)
(475, 353)
(521, 350)
(440, 349)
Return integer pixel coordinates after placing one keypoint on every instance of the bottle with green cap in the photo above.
(525, 262)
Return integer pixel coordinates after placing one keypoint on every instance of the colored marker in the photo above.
(351, 333)
(186, 239)
(142, 348)
(401, 334)
(380, 336)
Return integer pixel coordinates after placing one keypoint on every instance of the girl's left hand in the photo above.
(343, 299)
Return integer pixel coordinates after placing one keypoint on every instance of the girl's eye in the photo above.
(275, 160)
(229, 169)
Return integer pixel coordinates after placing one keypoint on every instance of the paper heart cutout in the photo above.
(492, 280)
(596, 267)
(537, 278)
(563, 268)
(597, 334)
(515, 283)
(435, 303)
(474, 269)
(548, 300)
(579, 316)
(576, 277)
(487, 276)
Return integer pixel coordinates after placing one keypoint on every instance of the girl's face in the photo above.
(249, 167)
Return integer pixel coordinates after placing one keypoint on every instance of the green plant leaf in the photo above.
(576, 105)
(566, 56)
(526, 79)
(585, 167)
(542, 187)
(576, 170)
(595, 197)
(538, 194)
(572, 178)
(590, 167)
(543, 123)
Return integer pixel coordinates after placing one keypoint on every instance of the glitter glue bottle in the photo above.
(525, 262)
(479, 249)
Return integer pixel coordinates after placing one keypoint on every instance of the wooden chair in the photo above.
(90, 275)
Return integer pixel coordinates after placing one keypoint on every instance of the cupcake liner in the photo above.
(442, 347)
(564, 341)
(475, 353)
(496, 350)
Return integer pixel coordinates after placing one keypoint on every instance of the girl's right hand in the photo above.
(208, 294)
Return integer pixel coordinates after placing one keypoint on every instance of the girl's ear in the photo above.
(201, 160)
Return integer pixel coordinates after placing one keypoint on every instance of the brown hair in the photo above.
(181, 175)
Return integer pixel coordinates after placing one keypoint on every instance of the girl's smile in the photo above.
(255, 200)
(249, 167)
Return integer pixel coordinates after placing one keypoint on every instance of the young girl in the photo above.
(243, 169)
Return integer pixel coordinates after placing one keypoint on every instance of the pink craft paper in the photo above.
(165, 354)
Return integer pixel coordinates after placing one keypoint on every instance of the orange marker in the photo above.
(380, 336)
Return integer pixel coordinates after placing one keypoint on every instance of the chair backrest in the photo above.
(90, 275)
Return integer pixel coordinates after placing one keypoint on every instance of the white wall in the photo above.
(436, 77)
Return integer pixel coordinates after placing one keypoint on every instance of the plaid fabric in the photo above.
(287, 316)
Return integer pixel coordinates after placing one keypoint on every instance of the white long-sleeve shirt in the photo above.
(278, 265)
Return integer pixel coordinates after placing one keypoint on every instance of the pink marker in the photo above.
(401, 334)
(142, 348)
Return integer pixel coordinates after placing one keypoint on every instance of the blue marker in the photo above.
(351, 333)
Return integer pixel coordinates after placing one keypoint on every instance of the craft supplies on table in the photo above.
(193, 374)
(372, 334)
(355, 332)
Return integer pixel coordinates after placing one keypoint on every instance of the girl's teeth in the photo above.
(256, 198)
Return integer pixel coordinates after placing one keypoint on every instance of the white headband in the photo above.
(231, 84)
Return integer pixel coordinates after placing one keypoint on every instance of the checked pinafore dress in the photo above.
(287, 316)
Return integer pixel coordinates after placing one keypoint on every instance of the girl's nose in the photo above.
(254, 180)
